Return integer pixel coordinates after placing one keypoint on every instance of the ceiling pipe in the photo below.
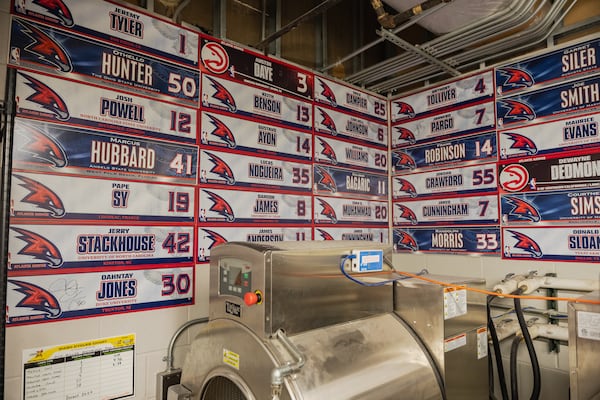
(415, 49)
(501, 21)
(391, 21)
(521, 40)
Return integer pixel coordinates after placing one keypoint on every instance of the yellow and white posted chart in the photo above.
(98, 369)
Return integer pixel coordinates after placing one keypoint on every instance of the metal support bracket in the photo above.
(391, 37)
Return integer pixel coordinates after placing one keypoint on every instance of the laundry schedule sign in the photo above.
(91, 370)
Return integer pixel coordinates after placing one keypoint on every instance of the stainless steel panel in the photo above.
(584, 353)
(371, 358)
(302, 289)
(421, 305)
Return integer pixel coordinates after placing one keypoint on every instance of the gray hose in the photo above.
(169, 357)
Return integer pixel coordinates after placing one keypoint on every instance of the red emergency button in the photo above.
(252, 298)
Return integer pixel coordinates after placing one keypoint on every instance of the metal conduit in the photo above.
(533, 35)
(422, 74)
(383, 69)
(467, 36)
(520, 16)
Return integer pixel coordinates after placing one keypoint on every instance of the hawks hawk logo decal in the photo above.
(37, 299)
(405, 241)
(328, 211)
(406, 213)
(526, 244)
(58, 9)
(328, 151)
(404, 161)
(522, 209)
(406, 135)
(221, 168)
(220, 206)
(517, 111)
(516, 78)
(47, 50)
(41, 196)
(326, 180)
(522, 143)
(215, 237)
(223, 95)
(39, 248)
(327, 93)
(328, 122)
(325, 235)
(405, 110)
(406, 187)
(47, 98)
(43, 148)
(222, 132)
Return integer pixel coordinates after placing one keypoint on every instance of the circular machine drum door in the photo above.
(374, 358)
(219, 388)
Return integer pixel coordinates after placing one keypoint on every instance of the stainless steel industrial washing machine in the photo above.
(285, 322)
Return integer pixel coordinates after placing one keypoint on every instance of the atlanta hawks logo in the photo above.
(522, 143)
(517, 111)
(47, 51)
(328, 211)
(214, 57)
(405, 110)
(406, 213)
(222, 95)
(405, 241)
(54, 9)
(516, 78)
(327, 93)
(526, 244)
(405, 135)
(326, 181)
(404, 186)
(215, 238)
(37, 298)
(328, 151)
(41, 196)
(221, 168)
(220, 206)
(222, 132)
(43, 148)
(328, 122)
(522, 210)
(325, 235)
(46, 98)
(39, 248)
(403, 161)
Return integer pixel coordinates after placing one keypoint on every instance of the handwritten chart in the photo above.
(100, 369)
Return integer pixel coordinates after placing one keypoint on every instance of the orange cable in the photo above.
(488, 292)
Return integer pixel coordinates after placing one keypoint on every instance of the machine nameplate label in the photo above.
(233, 309)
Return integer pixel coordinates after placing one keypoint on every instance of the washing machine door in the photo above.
(227, 361)
(374, 358)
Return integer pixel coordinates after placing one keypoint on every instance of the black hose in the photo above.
(514, 386)
(497, 351)
(535, 366)
(491, 375)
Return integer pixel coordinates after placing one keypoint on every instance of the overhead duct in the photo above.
(481, 31)
(452, 17)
